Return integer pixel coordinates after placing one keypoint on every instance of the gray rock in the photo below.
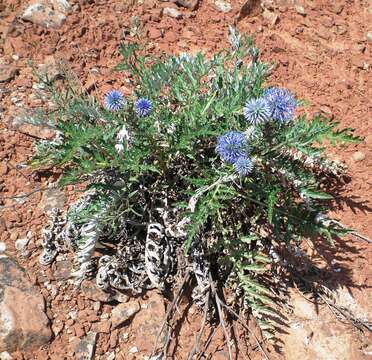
(124, 312)
(25, 126)
(93, 292)
(63, 270)
(52, 198)
(122, 298)
(146, 322)
(43, 15)
(23, 323)
(223, 6)
(86, 347)
(2, 247)
(174, 13)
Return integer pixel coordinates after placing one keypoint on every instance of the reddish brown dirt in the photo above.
(323, 57)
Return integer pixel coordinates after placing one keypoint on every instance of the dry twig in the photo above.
(220, 315)
(169, 311)
(241, 321)
(201, 331)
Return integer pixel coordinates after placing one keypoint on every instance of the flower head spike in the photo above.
(243, 166)
(143, 107)
(114, 100)
(282, 104)
(257, 111)
(232, 146)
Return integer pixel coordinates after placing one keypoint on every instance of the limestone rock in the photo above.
(145, 322)
(42, 14)
(86, 347)
(124, 312)
(62, 270)
(52, 198)
(22, 125)
(93, 292)
(23, 323)
(174, 13)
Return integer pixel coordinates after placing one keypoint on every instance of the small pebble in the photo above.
(300, 10)
(21, 244)
(174, 13)
(96, 306)
(133, 350)
(111, 356)
(358, 156)
(223, 6)
(5, 356)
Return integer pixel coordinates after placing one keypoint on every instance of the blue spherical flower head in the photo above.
(114, 100)
(143, 107)
(257, 111)
(243, 166)
(282, 104)
(231, 146)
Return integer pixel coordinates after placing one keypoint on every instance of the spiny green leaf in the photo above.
(316, 194)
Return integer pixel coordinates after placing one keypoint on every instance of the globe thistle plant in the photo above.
(143, 107)
(168, 184)
(243, 166)
(282, 104)
(232, 146)
(114, 100)
(257, 111)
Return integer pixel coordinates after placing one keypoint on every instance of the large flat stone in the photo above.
(23, 323)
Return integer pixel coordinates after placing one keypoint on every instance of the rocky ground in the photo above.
(322, 52)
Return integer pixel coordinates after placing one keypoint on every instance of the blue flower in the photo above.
(114, 100)
(257, 111)
(143, 107)
(231, 146)
(282, 104)
(243, 166)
